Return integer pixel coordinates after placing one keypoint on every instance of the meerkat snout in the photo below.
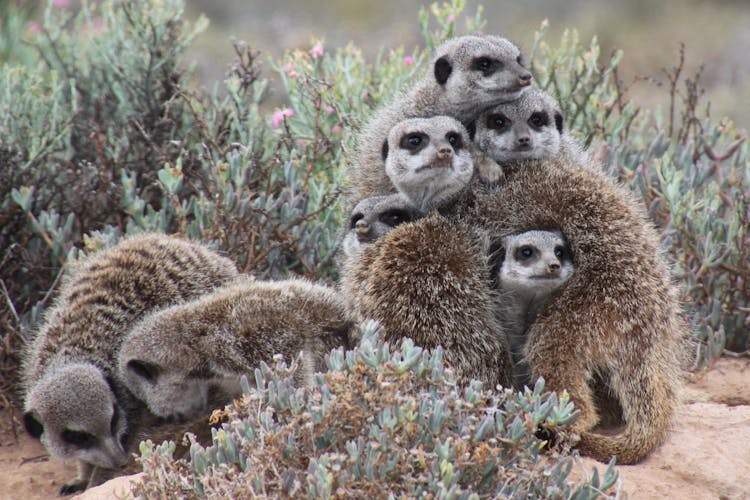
(524, 79)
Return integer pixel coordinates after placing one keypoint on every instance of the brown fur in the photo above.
(617, 320)
(428, 280)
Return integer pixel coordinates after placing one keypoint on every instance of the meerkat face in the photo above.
(536, 262)
(428, 161)
(374, 217)
(174, 381)
(479, 71)
(529, 128)
(74, 413)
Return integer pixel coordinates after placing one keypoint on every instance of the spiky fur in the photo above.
(69, 368)
(617, 320)
(172, 357)
(428, 280)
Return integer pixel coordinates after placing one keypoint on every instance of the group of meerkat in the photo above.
(511, 249)
(158, 330)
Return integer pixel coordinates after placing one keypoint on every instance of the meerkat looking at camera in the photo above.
(529, 128)
(468, 74)
(74, 401)
(172, 357)
(531, 266)
(428, 160)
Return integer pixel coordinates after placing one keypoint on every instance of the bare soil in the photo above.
(705, 457)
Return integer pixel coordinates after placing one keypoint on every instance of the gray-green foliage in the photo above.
(381, 422)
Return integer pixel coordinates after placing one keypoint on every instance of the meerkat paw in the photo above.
(73, 486)
(490, 173)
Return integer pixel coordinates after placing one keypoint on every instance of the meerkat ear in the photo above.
(471, 128)
(384, 150)
(559, 121)
(443, 69)
(32, 424)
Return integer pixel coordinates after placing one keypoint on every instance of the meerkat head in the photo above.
(163, 369)
(535, 262)
(74, 412)
(428, 161)
(528, 128)
(479, 71)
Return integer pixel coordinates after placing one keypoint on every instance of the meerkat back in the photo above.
(173, 357)
(467, 75)
(74, 402)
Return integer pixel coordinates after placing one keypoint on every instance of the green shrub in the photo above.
(380, 423)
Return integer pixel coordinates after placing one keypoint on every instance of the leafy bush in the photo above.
(379, 423)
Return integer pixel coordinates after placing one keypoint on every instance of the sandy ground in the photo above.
(705, 457)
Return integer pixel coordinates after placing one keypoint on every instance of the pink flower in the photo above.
(451, 18)
(63, 4)
(34, 27)
(280, 115)
(317, 50)
(337, 129)
(408, 60)
(327, 109)
(289, 70)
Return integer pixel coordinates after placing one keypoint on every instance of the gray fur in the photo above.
(535, 264)
(529, 128)
(74, 401)
(428, 160)
(172, 357)
(465, 92)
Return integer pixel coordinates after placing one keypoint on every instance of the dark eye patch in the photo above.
(519, 60)
(394, 217)
(144, 370)
(79, 438)
(539, 119)
(115, 419)
(455, 140)
(560, 252)
(524, 252)
(487, 65)
(414, 141)
(498, 121)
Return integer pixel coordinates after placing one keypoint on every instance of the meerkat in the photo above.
(469, 74)
(172, 357)
(429, 280)
(616, 323)
(529, 128)
(531, 266)
(74, 401)
(428, 161)
(374, 217)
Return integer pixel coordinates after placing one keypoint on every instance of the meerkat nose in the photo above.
(362, 227)
(553, 268)
(524, 140)
(524, 79)
(445, 152)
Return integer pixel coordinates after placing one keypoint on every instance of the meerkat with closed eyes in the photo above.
(428, 160)
(529, 128)
(469, 74)
(530, 267)
(74, 401)
(172, 357)
(374, 217)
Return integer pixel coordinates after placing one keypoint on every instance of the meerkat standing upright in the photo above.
(615, 326)
(532, 266)
(171, 357)
(428, 161)
(529, 128)
(469, 74)
(74, 402)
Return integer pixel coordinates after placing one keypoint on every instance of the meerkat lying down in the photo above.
(173, 357)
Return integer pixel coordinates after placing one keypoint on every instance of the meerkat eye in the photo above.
(355, 218)
(519, 60)
(497, 121)
(525, 252)
(394, 217)
(414, 142)
(454, 139)
(539, 119)
(560, 252)
(486, 65)
(144, 370)
(78, 438)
